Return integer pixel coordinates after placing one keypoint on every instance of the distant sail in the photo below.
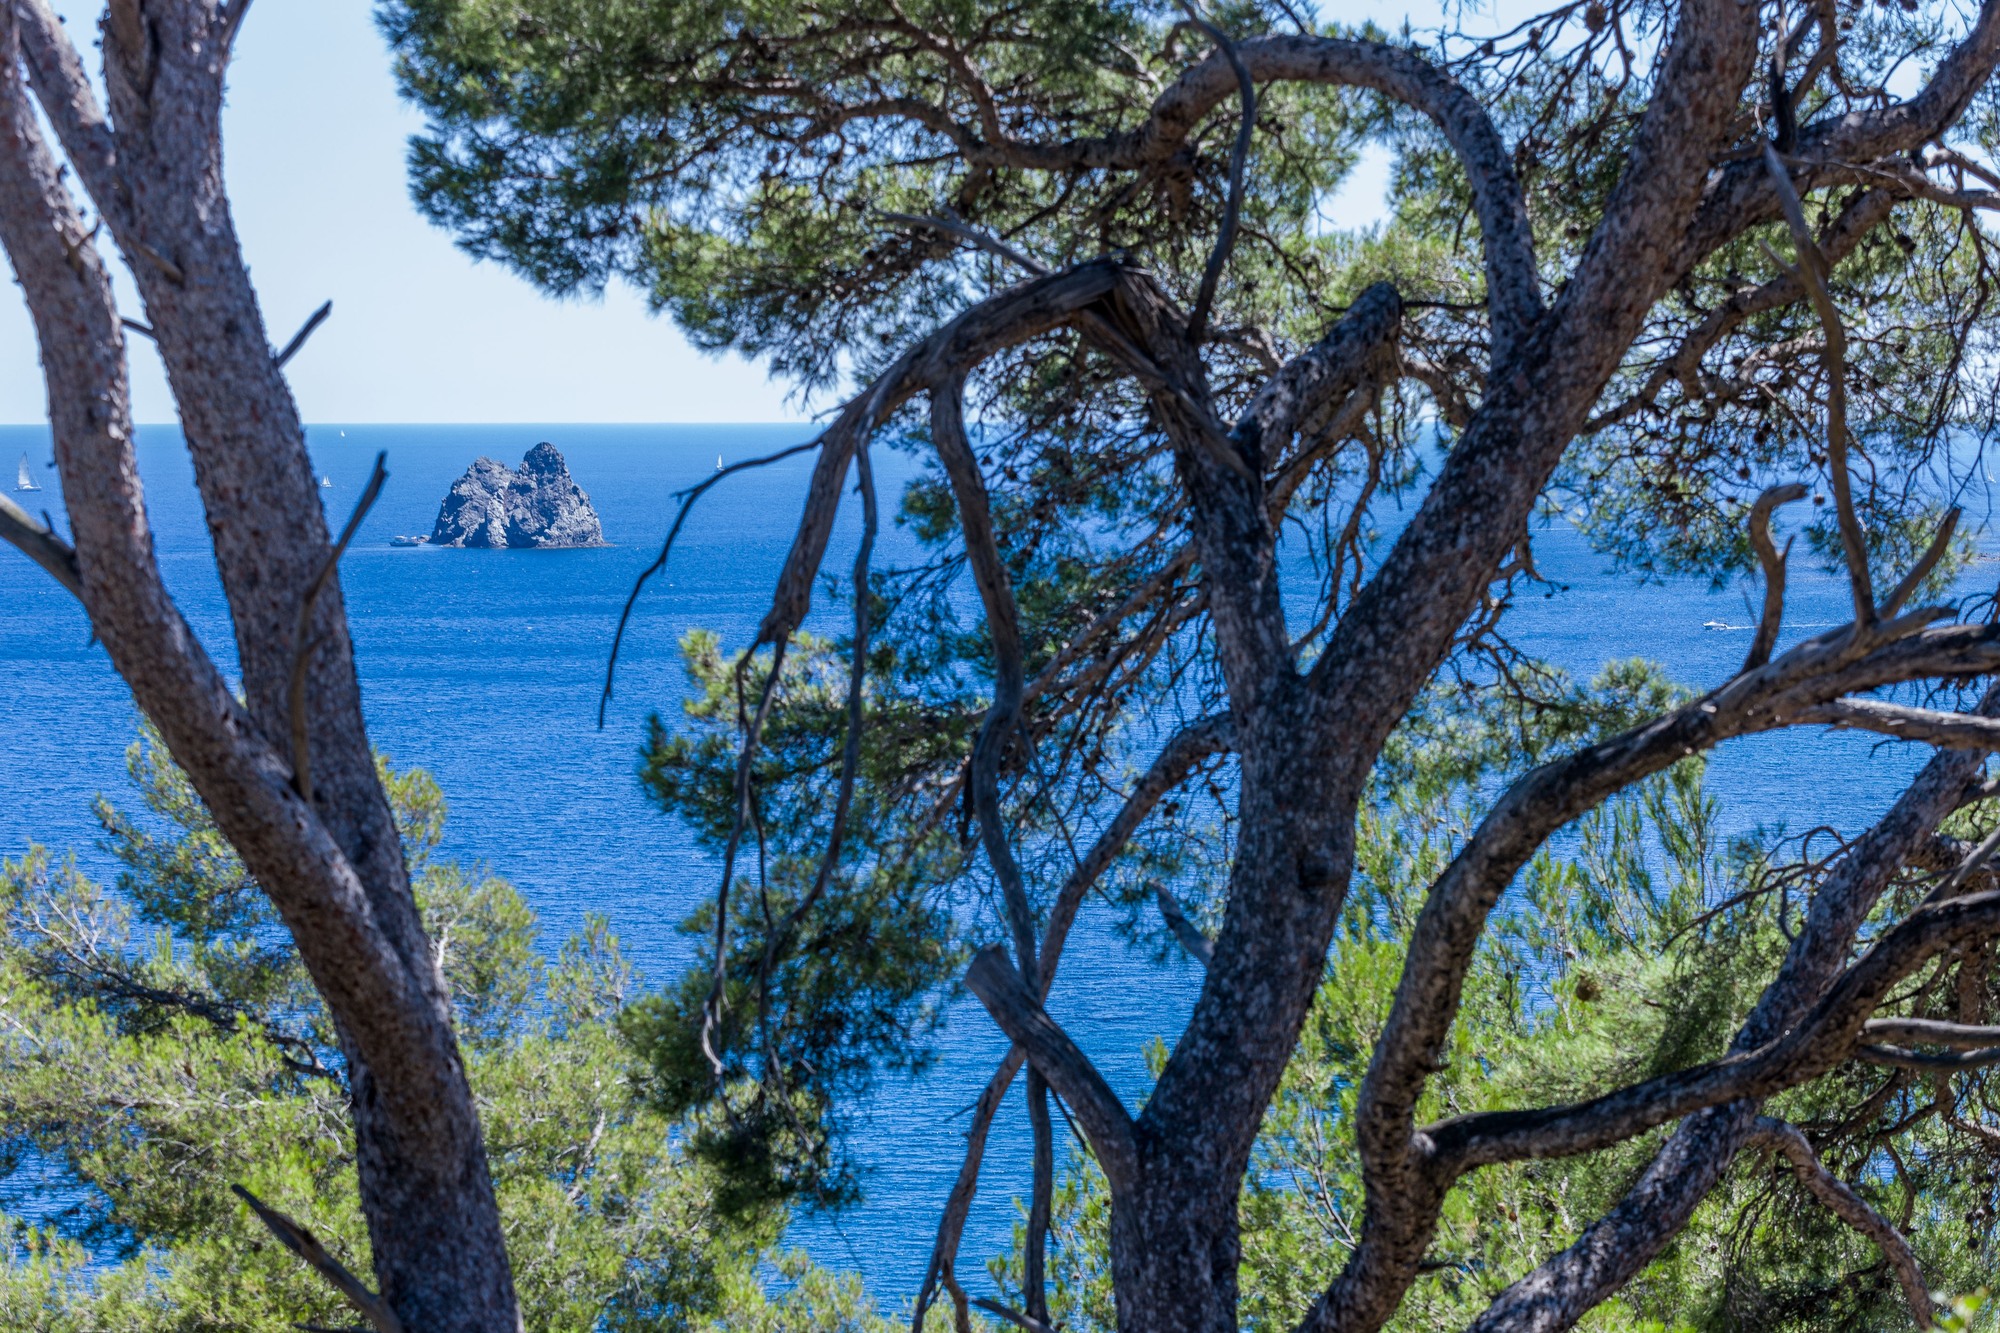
(326, 482)
(27, 478)
(718, 462)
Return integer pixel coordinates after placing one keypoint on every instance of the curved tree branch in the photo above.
(1008, 317)
(1840, 1199)
(1014, 1006)
(1681, 1174)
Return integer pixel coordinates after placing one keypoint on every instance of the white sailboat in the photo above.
(718, 462)
(26, 480)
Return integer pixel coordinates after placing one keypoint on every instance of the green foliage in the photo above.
(735, 161)
(1607, 963)
(160, 1044)
(731, 159)
(825, 986)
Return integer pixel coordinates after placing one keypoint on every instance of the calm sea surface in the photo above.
(484, 667)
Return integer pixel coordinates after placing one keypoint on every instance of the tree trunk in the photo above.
(323, 847)
(1175, 1248)
(1175, 1238)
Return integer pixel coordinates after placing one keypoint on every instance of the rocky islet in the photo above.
(537, 506)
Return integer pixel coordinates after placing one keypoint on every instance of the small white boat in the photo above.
(718, 462)
(408, 541)
(26, 480)
(327, 482)
(1717, 624)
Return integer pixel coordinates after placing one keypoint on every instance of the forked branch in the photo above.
(1773, 562)
(1019, 1013)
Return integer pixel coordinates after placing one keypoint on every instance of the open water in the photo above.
(484, 667)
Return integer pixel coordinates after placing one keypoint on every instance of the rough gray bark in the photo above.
(1306, 733)
(332, 865)
(1306, 738)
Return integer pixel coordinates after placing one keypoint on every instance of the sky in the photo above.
(313, 138)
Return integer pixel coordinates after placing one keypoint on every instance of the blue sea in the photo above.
(484, 668)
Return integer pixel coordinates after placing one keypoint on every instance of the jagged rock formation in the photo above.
(537, 506)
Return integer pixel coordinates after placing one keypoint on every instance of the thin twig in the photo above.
(1813, 274)
(984, 240)
(302, 646)
(687, 499)
(313, 321)
(1232, 211)
(143, 330)
(850, 757)
(234, 24)
(306, 1245)
(168, 267)
(1013, 1316)
(711, 1010)
(1921, 570)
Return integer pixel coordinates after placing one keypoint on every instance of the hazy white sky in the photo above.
(314, 135)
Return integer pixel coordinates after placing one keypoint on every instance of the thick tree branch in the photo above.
(1514, 288)
(1840, 239)
(1404, 1190)
(302, 643)
(1002, 320)
(1824, 1037)
(1951, 731)
(1895, 1057)
(1353, 351)
(1181, 754)
(1742, 195)
(67, 99)
(996, 594)
(333, 868)
(1682, 1173)
(39, 543)
(304, 1244)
